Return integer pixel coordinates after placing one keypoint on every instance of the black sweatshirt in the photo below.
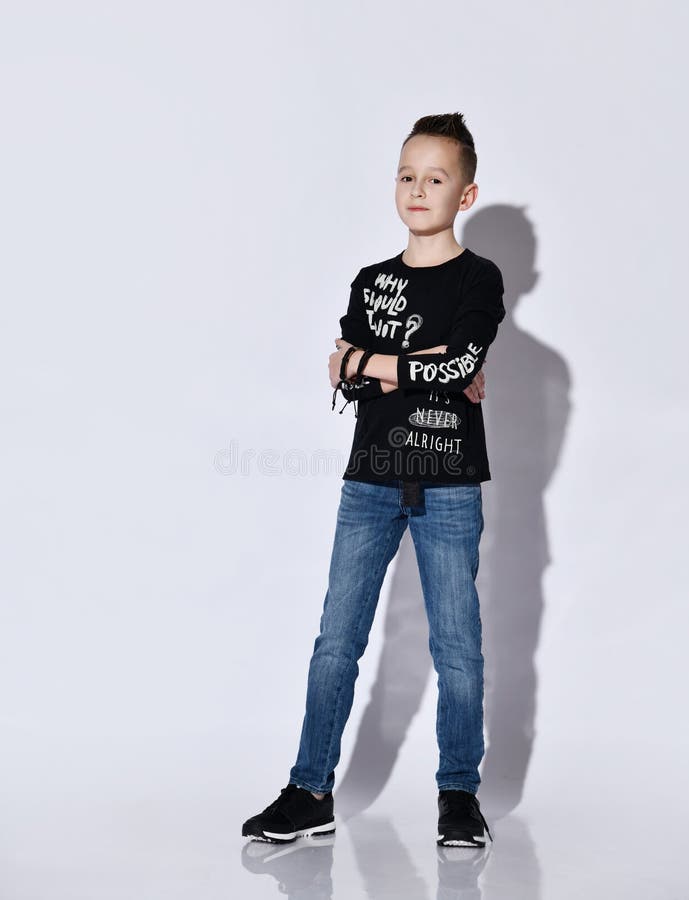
(427, 429)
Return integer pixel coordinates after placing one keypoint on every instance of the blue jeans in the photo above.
(446, 526)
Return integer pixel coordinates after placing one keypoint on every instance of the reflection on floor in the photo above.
(160, 818)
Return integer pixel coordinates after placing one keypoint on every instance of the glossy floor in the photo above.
(161, 818)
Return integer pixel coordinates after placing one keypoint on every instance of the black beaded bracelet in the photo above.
(367, 354)
(345, 359)
(357, 378)
(343, 374)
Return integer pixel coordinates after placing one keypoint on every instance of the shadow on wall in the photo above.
(526, 411)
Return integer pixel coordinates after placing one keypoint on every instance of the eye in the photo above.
(433, 178)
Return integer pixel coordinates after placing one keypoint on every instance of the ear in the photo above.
(469, 195)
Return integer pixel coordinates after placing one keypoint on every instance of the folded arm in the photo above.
(356, 332)
(453, 370)
(473, 330)
(370, 386)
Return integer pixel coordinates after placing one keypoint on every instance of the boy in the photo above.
(414, 339)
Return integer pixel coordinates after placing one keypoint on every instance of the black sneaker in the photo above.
(295, 813)
(460, 821)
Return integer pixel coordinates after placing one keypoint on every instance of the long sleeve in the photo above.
(355, 330)
(369, 387)
(473, 330)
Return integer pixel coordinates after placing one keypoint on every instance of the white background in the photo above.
(186, 192)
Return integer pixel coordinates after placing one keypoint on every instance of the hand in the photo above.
(335, 361)
(476, 390)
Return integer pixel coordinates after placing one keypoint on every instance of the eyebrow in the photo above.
(437, 168)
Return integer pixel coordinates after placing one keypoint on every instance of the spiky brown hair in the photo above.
(450, 125)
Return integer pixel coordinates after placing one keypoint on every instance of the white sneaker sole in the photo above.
(302, 832)
(480, 839)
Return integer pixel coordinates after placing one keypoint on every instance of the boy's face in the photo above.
(429, 177)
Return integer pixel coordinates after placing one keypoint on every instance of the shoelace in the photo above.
(477, 808)
(277, 803)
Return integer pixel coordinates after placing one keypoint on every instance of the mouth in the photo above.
(417, 208)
